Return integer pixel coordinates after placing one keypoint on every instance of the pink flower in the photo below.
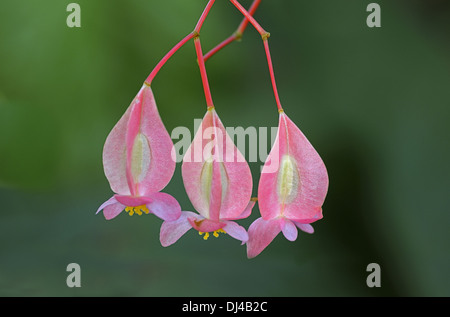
(291, 191)
(218, 182)
(138, 164)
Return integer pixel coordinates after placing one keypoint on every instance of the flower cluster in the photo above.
(138, 164)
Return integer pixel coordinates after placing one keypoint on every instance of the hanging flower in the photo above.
(291, 191)
(218, 182)
(138, 164)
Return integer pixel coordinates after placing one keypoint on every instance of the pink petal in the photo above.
(201, 172)
(304, 192)
(237, 194)
(306, 227)
(205, 225)
(164, 206)
(215, 200)
(195, 172)
(236, 231)
(137, 153)
(110, 201)
(260, 234)
(113, 210)
(114, 156)
(247, 211)
(133, 128)
(269, 205)
(171, 231)
(162, 165)
(131, 201)
(289, 230)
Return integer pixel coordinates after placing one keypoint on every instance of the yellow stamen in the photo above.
(215, 233)
(138, 210)
(206, 235)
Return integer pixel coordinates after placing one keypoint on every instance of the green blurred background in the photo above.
(375, 103)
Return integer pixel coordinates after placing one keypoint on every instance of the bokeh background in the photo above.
(375, 103)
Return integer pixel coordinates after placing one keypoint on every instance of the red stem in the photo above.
(229, 40)
(190, 36)
(272, 75)
(249, 17)
(251, 11)
(200, 58)
(161, 63)
(236, 35)
(201, 64)
(265, 35)
(203, 16)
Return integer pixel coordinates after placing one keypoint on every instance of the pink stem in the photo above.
(161, 63)
(201, 64)
(208, 55)
(251, 11)
(200, 58)
(272, 75)
(265, 35)
(236, 35)
(203, 16)
(249, 17)
(190, 36)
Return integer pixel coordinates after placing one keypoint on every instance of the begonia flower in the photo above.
(138, 164)
(218, 183)
(291, 190)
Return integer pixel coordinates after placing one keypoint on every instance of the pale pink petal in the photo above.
(111, 208)
(235, 177)
(237, 181)
(171, 231)
(260, 234)
(236, 231)
(131, 201)
(313, 175)
(133, 128)
(196, 171)
(289, 230)
(114, 155)
(269, 205)
(137, 153)
(149, 165)
(306, 227)
(162, 165)
(164, 206)
(110, 201)
(307, 184)
(136, 164)
(205, 225)
(247, 211)
(112, 211)
(215, 200)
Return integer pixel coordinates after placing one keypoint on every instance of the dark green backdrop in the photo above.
(375, 103)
